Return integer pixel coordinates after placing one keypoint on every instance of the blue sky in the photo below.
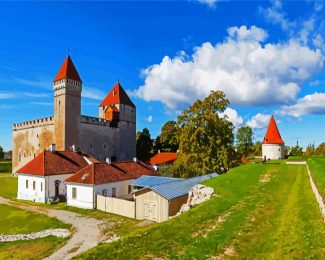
(268, 56)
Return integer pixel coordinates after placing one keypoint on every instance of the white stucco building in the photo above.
(272, 145)
(109, 179)
(45, 175)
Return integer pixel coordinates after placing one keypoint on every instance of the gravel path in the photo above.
(87, 230)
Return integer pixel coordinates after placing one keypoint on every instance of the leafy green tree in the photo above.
(257, 149)
(144, 145)
(244, 140)
(169, 138)
(296, 151)
(2, 154)
(320, 150)
(206, 139)
(310, 150)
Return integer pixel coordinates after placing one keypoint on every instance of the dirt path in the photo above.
(87, 230)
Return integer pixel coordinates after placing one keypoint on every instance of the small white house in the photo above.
(45, 175)
(272, 145)
(109, 179)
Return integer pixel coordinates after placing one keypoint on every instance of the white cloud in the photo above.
(149, 119)
(210, 3)
(7, 95)
(259, 121)
(233, 116)
(92, 93)
(309, 104)
(16, 95)
(248, 71)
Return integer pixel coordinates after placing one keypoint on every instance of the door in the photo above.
(57, 186)
(150, 210)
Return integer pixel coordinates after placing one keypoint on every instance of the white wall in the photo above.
(85, 193)
(36, 195)
(273, 151)
(84, 197)
(51, 184)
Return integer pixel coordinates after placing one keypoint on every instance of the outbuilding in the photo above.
(161, 198)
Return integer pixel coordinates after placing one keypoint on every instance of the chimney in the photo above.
(135, 159)
(177, 151)
(73, 148)
(159, 151)
(52, 148)
(108, 160)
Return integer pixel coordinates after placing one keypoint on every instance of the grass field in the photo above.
(17, 221)
(5, 167)
(8, 187)
(317, 167)
(263, 211)
(33, 249)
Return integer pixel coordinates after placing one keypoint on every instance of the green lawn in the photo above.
(295, 158)
(317, 167)
(5, 167)
(15, 221)
(33, 249)
(261, 211)
(8, 187)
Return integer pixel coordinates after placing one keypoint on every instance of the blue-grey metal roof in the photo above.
(179, 188)
(149, 181)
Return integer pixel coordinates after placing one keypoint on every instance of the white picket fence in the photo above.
(116, 206)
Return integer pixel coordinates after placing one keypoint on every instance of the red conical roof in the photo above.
(272, 134)
(68, 71)
(117, 96)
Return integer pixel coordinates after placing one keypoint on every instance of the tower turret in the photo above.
(67, 87)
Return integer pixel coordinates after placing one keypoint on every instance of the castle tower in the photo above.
(117, 106)
(272, 145)
(67, 87)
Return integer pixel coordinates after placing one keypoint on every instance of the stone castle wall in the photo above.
(29, 138)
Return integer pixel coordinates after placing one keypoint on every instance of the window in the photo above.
(129, 189)
(74, 193)
(113, 192)
(104, 192)
(34, 185)
(41, 186)
(19, 159)
(26, 184)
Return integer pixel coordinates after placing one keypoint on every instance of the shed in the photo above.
(159, 202)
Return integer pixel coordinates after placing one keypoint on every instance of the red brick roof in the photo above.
(272, 134)
(163, 158)
(100, 173)
(55, 163)
(117, 96)
(68, 71)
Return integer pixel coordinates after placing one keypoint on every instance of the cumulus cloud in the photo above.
(258, 121)
(232, 116)
(210, 3)
(309, 104)
(149, 119)
(247, 70)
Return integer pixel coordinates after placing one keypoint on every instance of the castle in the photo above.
(110, 135)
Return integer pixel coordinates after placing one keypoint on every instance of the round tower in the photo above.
(272, 145)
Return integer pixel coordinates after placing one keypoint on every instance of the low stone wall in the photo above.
(59, 232)
(317, 195)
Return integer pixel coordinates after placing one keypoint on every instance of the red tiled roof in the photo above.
(117, 96)
(100, 173)
(272, 134)
(163, 158)
(68, 71)
(55, 163)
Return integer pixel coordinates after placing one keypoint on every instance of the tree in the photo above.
(296, 151)
(320, 150)
(169, 138)
(2, 154)
(244, 139)
(144, 145)
(310, 150)
(206, 138)
(257, 149)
